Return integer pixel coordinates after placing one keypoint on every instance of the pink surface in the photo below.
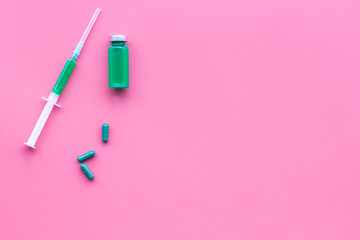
(242, 121)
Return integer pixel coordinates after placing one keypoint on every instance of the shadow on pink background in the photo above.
(242, 121)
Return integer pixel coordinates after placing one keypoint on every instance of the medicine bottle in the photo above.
(118, 62)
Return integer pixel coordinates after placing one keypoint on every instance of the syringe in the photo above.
(60, 84)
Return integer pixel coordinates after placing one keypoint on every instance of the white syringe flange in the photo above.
(51, 101)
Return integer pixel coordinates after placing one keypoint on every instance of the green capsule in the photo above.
(105, 132)
(87, 171)
(86, 156)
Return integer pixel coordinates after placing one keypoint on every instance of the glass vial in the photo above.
(118, 62)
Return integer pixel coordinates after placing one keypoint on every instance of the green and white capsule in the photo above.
(86, 156)
(87, 171)
(105, 132)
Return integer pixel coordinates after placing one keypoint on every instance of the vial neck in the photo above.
(117, 43)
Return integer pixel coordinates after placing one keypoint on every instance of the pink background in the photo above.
(242, 121)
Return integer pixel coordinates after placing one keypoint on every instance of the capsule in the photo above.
(105, 132)
(87, 171)
(86, 156)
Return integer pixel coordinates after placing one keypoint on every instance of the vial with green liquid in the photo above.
(118, 62)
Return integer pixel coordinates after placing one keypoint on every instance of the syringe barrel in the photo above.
(64, 76)
(70, 64)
